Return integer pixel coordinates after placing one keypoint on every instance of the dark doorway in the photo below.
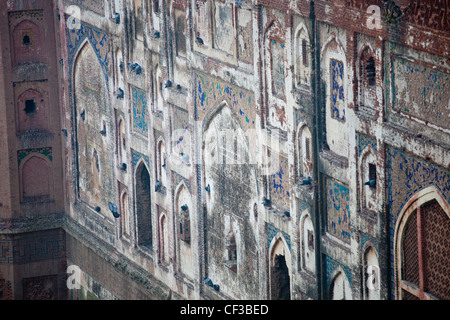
(281, 288)
(143, 207)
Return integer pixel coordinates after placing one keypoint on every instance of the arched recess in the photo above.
(119, 69)
(302, 56)
(368, 173)
(36, 183)
(280, 273)
(340, 286)
(225, 148)
(27, 41)
(275, 55)
(92, 114)
(161, 157)
(125, 215)
(32, 113)
(334, 64)
(371, 272)
(143, 206)
(121, 141)
(164, 239)
(366, 75)
(158, 90)
(229, 187)
(304, 152)
(184, 226)
(307, 239)
(422, 248)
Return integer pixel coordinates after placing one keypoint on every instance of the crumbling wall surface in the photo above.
(270, 147)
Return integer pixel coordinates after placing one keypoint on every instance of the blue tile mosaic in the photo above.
(272, 231)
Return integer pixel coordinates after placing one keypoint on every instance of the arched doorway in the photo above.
(280, 279)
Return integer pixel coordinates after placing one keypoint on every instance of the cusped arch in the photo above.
(328, 46)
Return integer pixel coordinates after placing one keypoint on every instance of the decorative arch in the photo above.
(121, 141)
(304, 151)
(371, 272)
(332, 43)
(27, 41)
(164, 239)
(221, 137)
(119, 69)
(340, 288)
(35, 183)
(367, 173)
(302, 56)
(334, 64)
(31, 111)
(366, 75)
(125, 214)
(184, 225)
(161, 159)
(90, 94)
(158, 89)
(143, 206)
(307, 242)
(280, 273)
(424, 222)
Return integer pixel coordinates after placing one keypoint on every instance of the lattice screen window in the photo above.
(425, 270)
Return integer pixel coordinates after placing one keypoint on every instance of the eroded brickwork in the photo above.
(217, 149)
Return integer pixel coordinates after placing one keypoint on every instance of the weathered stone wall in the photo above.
(273, 147)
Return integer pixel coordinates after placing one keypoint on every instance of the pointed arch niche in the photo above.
(183, 209)
(280, 273)
(92, 115)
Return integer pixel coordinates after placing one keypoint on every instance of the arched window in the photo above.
(302, 57)
(423, 253)
(367, 79)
